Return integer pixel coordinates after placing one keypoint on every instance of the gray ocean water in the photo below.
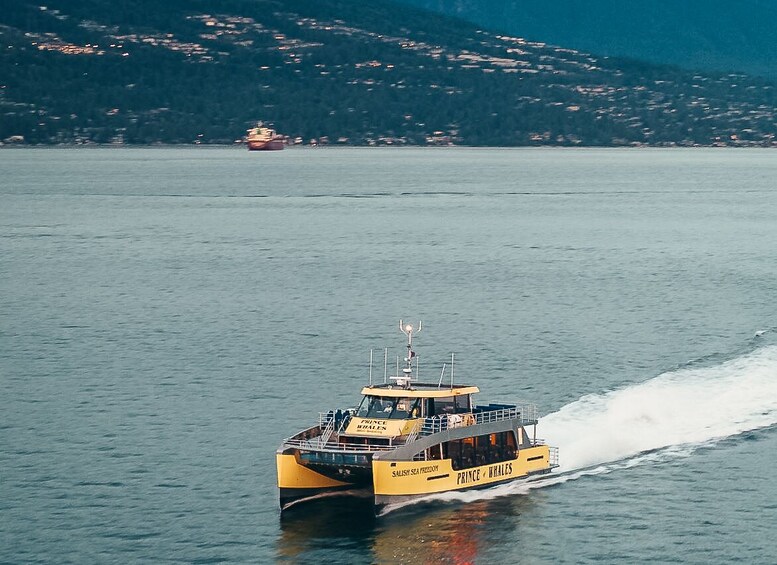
(168, 316)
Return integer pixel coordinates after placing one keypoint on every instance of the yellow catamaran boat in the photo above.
(409, 439)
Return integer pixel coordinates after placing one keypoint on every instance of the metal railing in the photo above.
(554, 456)
(327, 433)
(340, 417)
(525, 414)
(335, 421)
(313, 444)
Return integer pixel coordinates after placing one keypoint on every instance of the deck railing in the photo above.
(338, 417)
(554, 456)
(335, 421)
(526, 414)
(335, 446)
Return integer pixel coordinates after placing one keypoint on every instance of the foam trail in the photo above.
(685, 407)
(668, 416)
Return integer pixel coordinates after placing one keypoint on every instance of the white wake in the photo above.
(670, 415)
(679, 409)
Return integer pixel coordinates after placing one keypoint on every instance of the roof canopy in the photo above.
(419, 391)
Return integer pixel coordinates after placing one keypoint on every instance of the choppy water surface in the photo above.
(168, 316)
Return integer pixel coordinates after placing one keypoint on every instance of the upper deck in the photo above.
(329, 436)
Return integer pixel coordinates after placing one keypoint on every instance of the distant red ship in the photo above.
(262, 138)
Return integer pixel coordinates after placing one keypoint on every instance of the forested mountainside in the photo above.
(341, 72)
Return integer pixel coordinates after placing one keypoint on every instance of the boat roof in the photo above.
(419, 390)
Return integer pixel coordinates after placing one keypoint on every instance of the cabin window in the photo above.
(374, 407)
(406, 408)
(389, 408)
(480, 450)
(450, 405)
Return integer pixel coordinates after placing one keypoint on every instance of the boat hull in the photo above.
(382, 502)
(291, 497)
(396, 482)
(298, 482)
(271, 145)
(421, 478)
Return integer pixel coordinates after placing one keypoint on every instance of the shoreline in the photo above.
(241, 147)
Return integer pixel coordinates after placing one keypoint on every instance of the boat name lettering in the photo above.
(492, 472)
(469, 476)
(501, 470)
(414, 471)
(372, 426)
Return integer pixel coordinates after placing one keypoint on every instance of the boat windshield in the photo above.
(390, 408)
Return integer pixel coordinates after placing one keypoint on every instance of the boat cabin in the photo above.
(389, 410)
(390, 402)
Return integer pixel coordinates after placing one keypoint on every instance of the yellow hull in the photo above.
(404, 479)
(297, 483)
(293, 475)
(398, 481)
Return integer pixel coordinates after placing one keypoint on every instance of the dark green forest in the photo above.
(341, 72)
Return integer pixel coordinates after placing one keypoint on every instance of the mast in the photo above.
(407, 370)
